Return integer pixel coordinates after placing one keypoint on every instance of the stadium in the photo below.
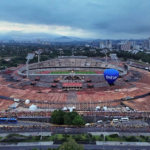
(73, 81)
(69, 73)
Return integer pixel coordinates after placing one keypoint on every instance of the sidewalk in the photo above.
(28, 133)
(97, 143)
(121, 133)
(123, 143)
(28, 143)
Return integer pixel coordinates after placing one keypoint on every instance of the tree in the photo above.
(77, 137)
(71, 145)
(67, 120)
(78, 120)
(61, 117)
(72, 115)
(57, 117)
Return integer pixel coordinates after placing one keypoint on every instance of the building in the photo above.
(101, 45)
(87, 45)
(124, 45)
(137, 47)
(145, 44)
(95, 44)
(149, 43)
(132, 43)
(108, 44)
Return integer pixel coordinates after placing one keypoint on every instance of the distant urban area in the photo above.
(13, 52)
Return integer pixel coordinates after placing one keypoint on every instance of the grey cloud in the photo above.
(120, 16)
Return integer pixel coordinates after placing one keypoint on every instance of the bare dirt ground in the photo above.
(93, 94)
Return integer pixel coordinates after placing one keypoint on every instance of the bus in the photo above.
(8, 120)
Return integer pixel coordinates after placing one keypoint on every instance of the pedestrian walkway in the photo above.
(123, 143)
(28, 133)
(27, 143)
(97, 143)
(35, 143)
(105, 133)
(121, 133)
(71, 98)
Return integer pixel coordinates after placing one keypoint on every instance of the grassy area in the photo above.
(115, 139)
(76, 72)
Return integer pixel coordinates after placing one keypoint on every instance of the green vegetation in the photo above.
(138, 62)
(14, 54)
(67, 118)
(68, 145)
(77, 137)
(15, 138)
(71, 145)
(127, 55)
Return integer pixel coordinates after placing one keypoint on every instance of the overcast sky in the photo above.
(111, 19)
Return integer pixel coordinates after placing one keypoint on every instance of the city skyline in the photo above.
(85, 19)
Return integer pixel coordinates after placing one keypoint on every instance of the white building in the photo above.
(86, 45)
(108, 44)
(136, 47)
(101, 45)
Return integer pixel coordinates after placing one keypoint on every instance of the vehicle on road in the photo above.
(108, 121)
(8, 120)
(16, 100)
(127, 98)
(100, 121)
(127, 108)
(124, 119)
(115, 120)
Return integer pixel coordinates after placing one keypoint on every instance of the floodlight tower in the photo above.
(72, 52)
(38, 53)
(114, 57)
(105, 52)
(29, 57)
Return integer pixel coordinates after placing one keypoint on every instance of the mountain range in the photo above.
(21, 36)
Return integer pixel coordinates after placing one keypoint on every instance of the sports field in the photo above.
(76, 72)
(69, 72)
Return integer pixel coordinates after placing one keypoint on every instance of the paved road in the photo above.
(86, 147)
(25, 123)
(63, 130)
(139, 122)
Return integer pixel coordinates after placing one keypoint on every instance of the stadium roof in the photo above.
(61, 57)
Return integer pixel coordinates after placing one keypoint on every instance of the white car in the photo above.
(127, 108)
(100, 121)
(124, 119)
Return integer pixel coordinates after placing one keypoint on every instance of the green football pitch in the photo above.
(76, 72)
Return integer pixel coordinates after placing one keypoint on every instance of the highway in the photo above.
(63, 130)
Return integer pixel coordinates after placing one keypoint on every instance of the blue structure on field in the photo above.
(111, 75)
